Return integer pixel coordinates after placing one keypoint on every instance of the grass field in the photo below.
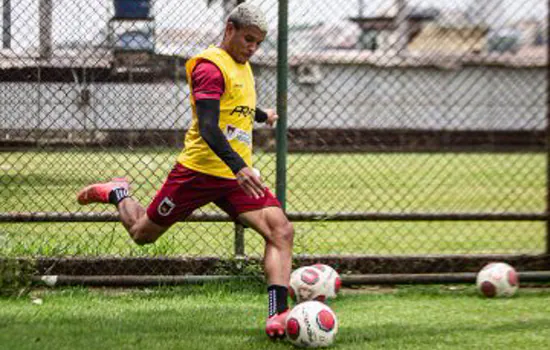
(231, 316)
(328, 183)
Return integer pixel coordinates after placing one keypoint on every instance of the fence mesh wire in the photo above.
(393, 107)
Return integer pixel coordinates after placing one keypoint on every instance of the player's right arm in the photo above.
(208, 86)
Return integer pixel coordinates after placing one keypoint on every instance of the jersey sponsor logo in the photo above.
(244, 111)
(234, 133)
(166, 206)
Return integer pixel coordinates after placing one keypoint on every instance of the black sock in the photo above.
(117, 195)
(278, 296)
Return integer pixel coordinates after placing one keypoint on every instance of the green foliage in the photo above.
(15, 277)
(240, 267)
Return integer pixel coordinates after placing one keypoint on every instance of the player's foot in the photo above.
(275, 325)
(99, 193)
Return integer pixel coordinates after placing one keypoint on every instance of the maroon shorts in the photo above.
(186, 190)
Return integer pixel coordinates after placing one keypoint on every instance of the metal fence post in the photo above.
(282, 92)
(548, 134)
(239, 240)
(6, 24)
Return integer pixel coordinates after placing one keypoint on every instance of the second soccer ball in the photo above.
(497, 279)
(316, 282)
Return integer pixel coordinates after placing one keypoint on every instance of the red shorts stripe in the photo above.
(186, 190)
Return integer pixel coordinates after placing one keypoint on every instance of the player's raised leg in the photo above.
(278, 232)
(132, 215)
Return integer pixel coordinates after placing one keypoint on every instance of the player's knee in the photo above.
(143, 238)
(285, 233)
(145, 231)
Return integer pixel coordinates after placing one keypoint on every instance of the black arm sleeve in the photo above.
(208, 112)
(260, 116)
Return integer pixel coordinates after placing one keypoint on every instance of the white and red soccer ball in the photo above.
(497, 279)
(316, 282)
(311, 324)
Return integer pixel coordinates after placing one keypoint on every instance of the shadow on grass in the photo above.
(433, 334)
(166, 328)
(253, 286)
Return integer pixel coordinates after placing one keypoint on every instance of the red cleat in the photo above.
(99, 193)
(275, 325)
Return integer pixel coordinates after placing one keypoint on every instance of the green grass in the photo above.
(232, 316)
(47, 181)
(328, 183)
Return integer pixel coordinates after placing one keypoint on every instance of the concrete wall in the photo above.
(348, 96)
(111, 106)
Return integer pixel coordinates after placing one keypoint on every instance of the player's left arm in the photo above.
(268, 116)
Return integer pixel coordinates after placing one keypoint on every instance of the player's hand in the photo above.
(272, 117)
(250, 182)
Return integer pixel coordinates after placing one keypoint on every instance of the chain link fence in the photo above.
(415, 129)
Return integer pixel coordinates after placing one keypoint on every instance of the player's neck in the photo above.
(226, 48)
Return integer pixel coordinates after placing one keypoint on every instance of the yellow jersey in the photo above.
(237, 111)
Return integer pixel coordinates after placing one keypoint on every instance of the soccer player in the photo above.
(216, 162)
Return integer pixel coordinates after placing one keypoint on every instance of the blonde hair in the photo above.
(246, 15)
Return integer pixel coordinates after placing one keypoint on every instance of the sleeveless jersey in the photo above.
(237, 110)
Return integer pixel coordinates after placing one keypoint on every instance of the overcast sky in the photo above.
(84, 19)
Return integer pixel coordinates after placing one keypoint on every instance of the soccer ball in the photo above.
(332, 281)
(311, 324)
(497, 279)
(317, 282)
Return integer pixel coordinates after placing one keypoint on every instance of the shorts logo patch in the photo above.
(166, 206)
